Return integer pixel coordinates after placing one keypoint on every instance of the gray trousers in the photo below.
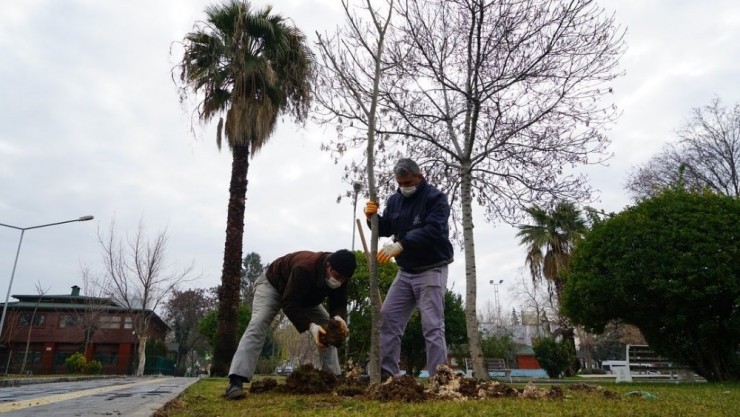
(408, 291)
(265, 307)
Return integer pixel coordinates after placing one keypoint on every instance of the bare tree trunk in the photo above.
(141, 355)
(471, 319)
(228, 294)
(368, 50)
(7, 365)
(41, 293)
(28, 339)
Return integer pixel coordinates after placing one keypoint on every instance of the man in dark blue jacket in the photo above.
(416, 216)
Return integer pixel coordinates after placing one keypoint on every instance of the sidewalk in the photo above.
(70, 396)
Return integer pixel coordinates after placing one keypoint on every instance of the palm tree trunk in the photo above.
(566, 331)
(228, 294)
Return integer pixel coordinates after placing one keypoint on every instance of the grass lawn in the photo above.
(204, 398)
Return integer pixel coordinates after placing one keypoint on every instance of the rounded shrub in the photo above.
(76, 363)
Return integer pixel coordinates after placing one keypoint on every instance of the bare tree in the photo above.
(41, 292)
(294, 346)
(96, 302)
(707, 155)
(138, 277)
(536, 300)
(497, 101)
(183, 311)
(350, 77)
(489, 313)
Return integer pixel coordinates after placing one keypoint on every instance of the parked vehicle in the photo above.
(610, 365)
(285, 368)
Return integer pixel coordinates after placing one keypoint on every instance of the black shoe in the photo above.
(235, 391)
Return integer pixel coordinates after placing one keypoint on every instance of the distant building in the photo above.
(47, 329)
(524, 328)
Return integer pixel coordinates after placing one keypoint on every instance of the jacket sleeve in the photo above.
(384, 221)
(297, 285)
(436, 215)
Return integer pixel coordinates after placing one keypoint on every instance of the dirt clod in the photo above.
(495, 389)
(308, 380)
(400, 388)
(334, 335)
(263, 385)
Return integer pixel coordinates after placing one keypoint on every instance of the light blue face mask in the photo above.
(407, 191)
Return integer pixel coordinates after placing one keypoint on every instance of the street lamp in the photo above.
(15, 263)
(357, 187)
(496, 299)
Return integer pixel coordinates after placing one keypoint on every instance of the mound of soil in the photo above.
(533, 392)
(308, 380)
(444, 385)
(399, 388)
(494, 389)
(351, 390)
(596, 388)
(263, 385)
(334, 335)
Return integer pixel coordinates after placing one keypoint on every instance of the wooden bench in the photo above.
(643, 362)
(496, 367)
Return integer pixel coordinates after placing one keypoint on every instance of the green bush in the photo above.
(551, 354)
(76, 363)
(668, 265)
(499, 346)
(266, 366)
(93, 367)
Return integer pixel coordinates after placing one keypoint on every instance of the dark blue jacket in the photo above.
(419, 222)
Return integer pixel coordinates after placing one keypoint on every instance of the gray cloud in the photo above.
(91, 124)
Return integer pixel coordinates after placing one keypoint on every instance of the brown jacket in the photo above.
(300, 278)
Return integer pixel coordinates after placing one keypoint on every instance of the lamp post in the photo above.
(357, 187)
(496, 299)
(18, 251)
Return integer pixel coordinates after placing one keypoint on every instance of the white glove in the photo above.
(342, 323)
(388, 252)
(316, 331)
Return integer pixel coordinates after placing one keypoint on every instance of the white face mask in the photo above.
(333, 283)
(407, 191)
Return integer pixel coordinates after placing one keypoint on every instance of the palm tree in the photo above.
(550, 241)
(250, 66)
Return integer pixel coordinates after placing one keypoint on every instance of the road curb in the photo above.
(17, 382)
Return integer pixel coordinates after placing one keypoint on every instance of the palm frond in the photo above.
(249, 65)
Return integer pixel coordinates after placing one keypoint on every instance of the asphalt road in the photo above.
(127, 396)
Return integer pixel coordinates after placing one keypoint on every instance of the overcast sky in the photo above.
(90, 123)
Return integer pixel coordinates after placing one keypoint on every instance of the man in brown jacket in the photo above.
(297, 283)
